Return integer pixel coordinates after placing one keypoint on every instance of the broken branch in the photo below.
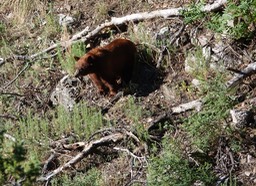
(89, 148)
(249, 70)
(16, 77)
(196, 104)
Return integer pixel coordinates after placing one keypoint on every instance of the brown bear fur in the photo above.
(105, 65)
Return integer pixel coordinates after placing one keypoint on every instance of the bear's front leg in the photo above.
(97, 82)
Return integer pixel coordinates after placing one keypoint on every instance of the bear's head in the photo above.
(84, 65)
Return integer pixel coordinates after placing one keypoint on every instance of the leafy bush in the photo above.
(194, 13)
(205, 126)
(134, 113)
(237, 19)
(67, 61)
(14, 165)
(172, 169)
(83, 121)
(91, 178)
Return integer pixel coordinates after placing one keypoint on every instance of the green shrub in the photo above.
(90, 178)
(205, 126)
(193, 13)
(67, 60)
(134, 113)
(83, 121)
(14, 164)
(237, 20)
(170, 168)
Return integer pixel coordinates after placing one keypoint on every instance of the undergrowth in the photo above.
(236, 20)
(135, 113)
(33, 129)
(203, 128)
(172, 169)
(90, 178)
(16, 165)
(206, 126)
(67, 60)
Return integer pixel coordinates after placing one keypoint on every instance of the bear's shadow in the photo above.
(146, 77)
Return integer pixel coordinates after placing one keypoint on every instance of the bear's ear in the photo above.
(76, 58)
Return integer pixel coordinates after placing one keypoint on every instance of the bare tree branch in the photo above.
(16, 77)
(249, 70)
(89, 148)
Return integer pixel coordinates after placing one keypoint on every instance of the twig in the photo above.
(103, 131)
(60, 142)
(12, 94)
(129, 152)
(53, 156)
(2, 61)
(177, 34)
(160, 58)
(8, 116)
(160, 118)
(105, 109)
(16, 77)
(129, 133)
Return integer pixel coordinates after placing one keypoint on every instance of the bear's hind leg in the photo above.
(98, 83)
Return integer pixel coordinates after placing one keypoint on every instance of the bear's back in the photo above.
(117, 58)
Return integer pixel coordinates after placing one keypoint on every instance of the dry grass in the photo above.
(23, 11)
(101, 10)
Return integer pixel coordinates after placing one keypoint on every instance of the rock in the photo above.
(66, 92)
(65, 20)
(162, 33)
(247, 173)
(196, 83)
(249, 158)
(1, 61)
(223, 52)
(241, 118)
(206, 51)
(193, 62)
(219, 47)
(190, 63)
(164, 30)
(203, 40)
(169, 93)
